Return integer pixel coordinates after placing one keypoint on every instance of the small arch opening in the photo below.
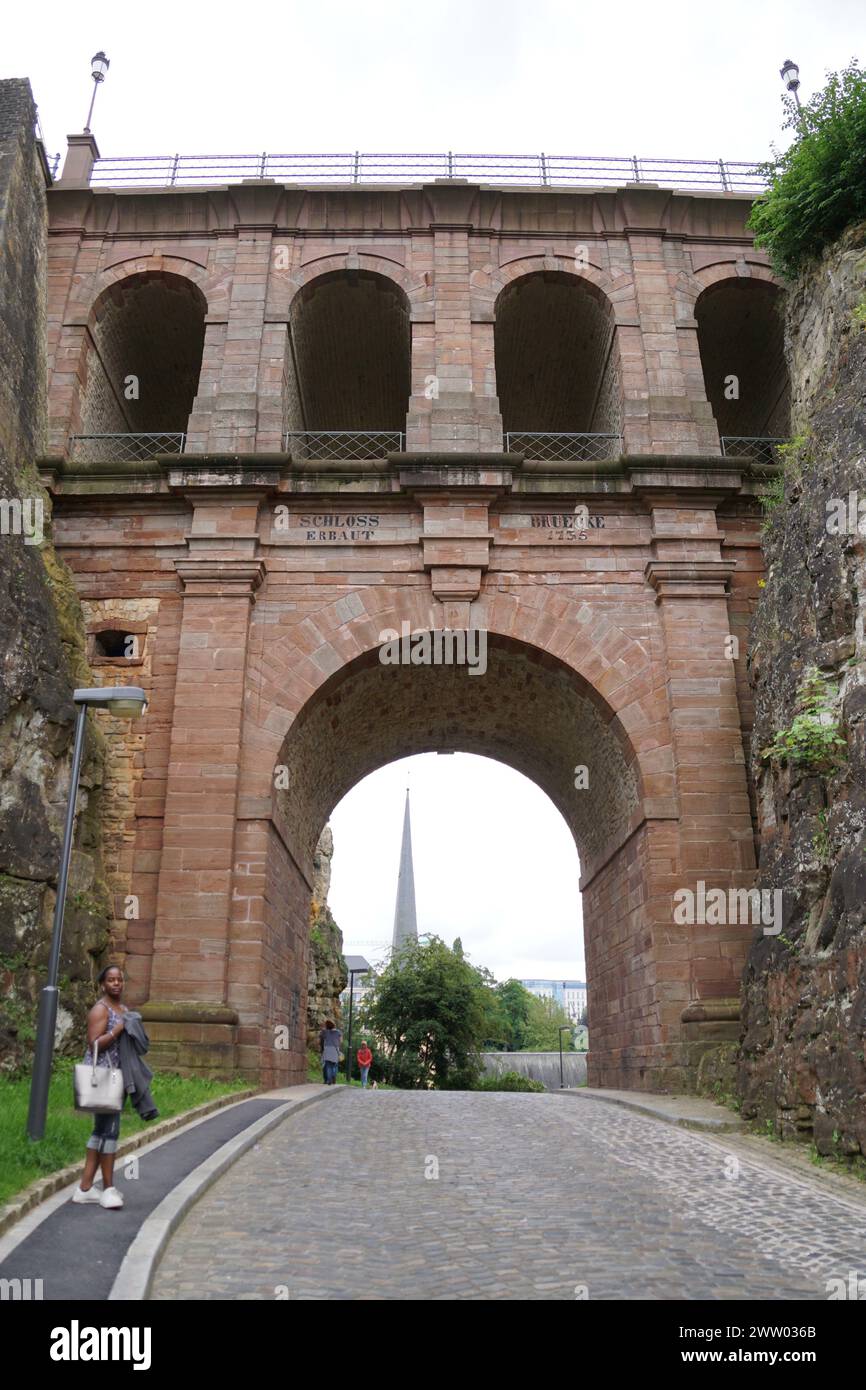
(741, 343)
(348, 355)
(145, 354)
(557, 357)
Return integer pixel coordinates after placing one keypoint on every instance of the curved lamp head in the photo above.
(123, 700)
(99, 65)
(790, 75)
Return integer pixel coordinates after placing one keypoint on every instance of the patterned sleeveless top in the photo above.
(108, 1056)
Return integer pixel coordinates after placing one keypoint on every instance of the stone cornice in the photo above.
(689, 578)
(220, 577)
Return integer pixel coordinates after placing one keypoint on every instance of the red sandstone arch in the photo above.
(212, 286)
(740, 335)
(563, 689)
(290, 285)
(557, 354)
(148, 323)
(612, 672)
(616, 290)
(348, 353)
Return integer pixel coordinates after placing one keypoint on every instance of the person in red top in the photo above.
(365, 1058)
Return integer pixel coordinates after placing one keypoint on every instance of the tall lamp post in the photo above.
(356, 965)
(790, 75)
(565, 1028)
(99, 65)
(123, 700)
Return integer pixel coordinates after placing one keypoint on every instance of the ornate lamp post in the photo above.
(99, 65)
(790, 75)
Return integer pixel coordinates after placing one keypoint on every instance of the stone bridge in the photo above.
(287, 420)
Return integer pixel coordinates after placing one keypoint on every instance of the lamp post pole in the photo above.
(121, 700)
(563, 1029)
(99, 66)
(352, 974)
(46, 1021)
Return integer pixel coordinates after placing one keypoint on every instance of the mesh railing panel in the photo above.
(567, 448)
(123, 448)
(759, 448)
(343, 445)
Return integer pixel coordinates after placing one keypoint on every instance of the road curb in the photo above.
(135, 1276)
(708, 1124)
(43, 1188)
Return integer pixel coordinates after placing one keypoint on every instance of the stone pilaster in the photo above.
(691, 582)
(451, 414)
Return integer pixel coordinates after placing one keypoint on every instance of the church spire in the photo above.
(405, 921)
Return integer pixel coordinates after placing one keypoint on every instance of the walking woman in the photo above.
(330, 1038)
(365, 1061)
(105, 1023)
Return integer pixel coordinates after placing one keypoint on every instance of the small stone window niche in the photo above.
(116, 643)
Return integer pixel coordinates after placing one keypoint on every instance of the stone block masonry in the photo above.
(427, 316)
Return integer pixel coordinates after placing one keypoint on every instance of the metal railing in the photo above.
(759, 448)
(343, 445)
(123, 448)
(556, 170)
(569, 448)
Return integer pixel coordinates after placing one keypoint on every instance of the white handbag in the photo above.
(98, 1090)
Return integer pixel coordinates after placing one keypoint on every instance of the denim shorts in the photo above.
(106, 1132)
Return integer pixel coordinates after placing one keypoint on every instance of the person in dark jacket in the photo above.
(137, 1075)
(105, 1024)
(330, 1038)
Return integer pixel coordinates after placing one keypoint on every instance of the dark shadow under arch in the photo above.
(557, 357)
(741, 336)
(149, 327)
(348, 365)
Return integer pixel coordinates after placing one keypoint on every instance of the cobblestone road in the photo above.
(537, 1197)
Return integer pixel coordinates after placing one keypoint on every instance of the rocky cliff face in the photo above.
(804, 993)
(327, 976)
(41, 638)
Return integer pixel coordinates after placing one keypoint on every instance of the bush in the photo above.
(508, 1081)
(813, 740)
(817, 188)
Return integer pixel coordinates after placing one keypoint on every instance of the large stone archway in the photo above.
(257, 579)
(260, 607)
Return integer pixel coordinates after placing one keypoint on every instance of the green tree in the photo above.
(817, 188)
(546, 1017)
(429, 1010)
(515, 1003)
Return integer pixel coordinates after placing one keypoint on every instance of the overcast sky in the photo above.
(495, 864)
(671, 77)
(494, 861)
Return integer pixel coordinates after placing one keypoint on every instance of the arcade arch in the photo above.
(557, 356)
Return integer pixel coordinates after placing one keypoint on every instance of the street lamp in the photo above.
(126, 701)
(564, 1028)
(98, 68)
(790, 75)
(356, 965)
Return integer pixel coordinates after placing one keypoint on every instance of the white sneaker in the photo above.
(92, 1194)
(111, 1199)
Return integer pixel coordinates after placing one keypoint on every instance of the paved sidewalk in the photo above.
(690, 1112)
(77, 1251)
(459, 1195)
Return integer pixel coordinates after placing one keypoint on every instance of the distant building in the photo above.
(570, 995)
